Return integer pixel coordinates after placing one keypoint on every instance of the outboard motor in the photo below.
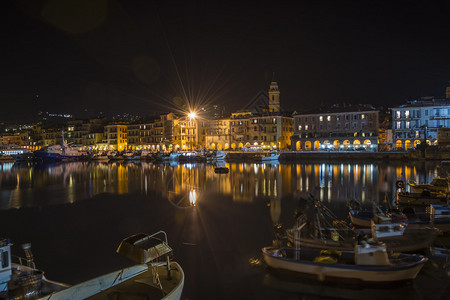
(26, 281)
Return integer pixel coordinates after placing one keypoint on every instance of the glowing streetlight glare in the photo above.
(192, 115)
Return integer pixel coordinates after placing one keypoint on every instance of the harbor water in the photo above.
(76, 213)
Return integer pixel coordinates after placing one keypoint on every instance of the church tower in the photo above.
(274, 97)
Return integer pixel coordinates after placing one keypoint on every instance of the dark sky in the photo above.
(137, 56)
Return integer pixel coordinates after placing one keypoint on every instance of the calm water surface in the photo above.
(76, 214)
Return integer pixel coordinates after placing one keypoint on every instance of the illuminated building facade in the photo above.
(185, 135)
(217, 134)
(419, 120)
(115, 137)
(261, 124)
(337, 129)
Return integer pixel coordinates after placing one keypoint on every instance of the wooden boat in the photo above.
(438, 184)
(363, 218)
(155, 277)
(368, 264)
(334, 238)
(437, 216)
(20, 280)
(319, 234)
(424, 198)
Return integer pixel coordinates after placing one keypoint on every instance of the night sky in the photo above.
(142, 57)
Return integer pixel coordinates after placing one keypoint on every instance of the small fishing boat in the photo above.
(215, 155)
(437, 216)
(424, 198)
(270, 156)
(22, 280)
(368, 264)
(326, 231)
(363, 218)
(155, 277)
(99, 156)
(438, 184)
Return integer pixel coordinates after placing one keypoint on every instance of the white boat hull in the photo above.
(339, 272)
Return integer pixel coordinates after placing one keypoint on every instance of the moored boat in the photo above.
(326, 231)
(215, 155)
(368, 264)
(270, 156)
(437, 216)
(59, 152)
(155, 277)
(22, 280)
(438, 184)
(424, 198)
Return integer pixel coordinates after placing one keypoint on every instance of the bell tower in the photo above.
(274, 97)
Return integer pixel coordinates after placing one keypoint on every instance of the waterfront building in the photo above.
(148, 141)
(76, 129)
(134, 136)
(217, 134)
(337, 128)
(51, 136)
(418, 121)
(115, 137)
(12, 138)
(93, 141)
(185, 134)
(262, 124)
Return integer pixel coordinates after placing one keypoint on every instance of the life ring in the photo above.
(400, 184)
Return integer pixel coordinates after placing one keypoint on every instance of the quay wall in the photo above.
(295, 156)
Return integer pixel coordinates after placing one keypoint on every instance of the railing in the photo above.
(21, 261)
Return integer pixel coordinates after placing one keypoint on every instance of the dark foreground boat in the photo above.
(155, 277)
(368, 264)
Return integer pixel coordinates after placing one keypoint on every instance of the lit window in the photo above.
(362, 117)
(328, 118)
(407, 124)
(321, 118)
(407, 114)
(398, 125)
(306, 127)
(299, 127)
(398, 115)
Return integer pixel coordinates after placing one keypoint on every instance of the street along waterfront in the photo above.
(76, 214)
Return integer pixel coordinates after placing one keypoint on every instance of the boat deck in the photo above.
(144, 286)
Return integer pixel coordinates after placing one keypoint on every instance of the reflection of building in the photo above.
(419, 120)
(336, 128)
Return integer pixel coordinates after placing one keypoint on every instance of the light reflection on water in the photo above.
(31, 185)
(214, 227)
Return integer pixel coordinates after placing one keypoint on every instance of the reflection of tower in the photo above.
(447, 91)
(275, 209)
(274, 97)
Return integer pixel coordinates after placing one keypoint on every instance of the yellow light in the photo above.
(192, 115)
